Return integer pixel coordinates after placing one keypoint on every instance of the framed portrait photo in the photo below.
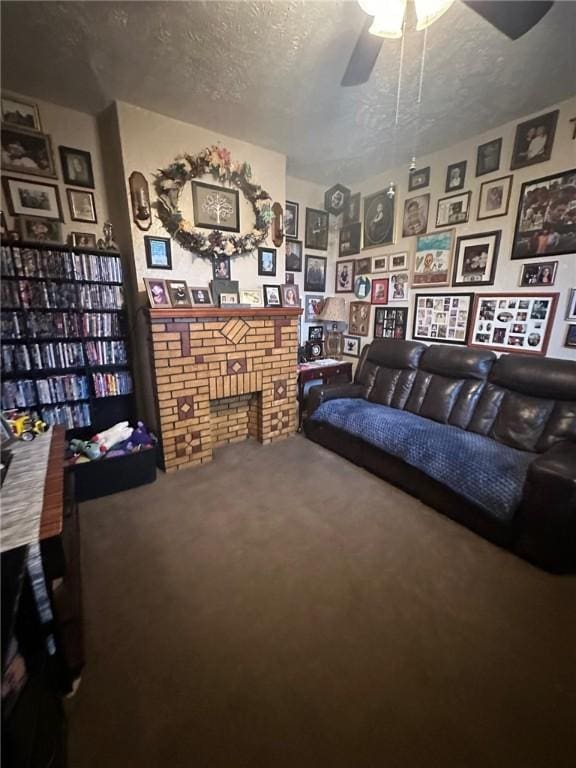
(19, 113)
(252, 296)
(76, 167)
(38, 229)
(455, 176)
(379, 216)
(362, 287)
(83, 239)
(267, 262)
(380, 264)
(433, 259)
(363, 266)
(27, 152)
(290, 295)
(344, 279)
(442, 317)
(398, 289)
(215, 207)
(570, 340)
(541, 273)
(453, 210)
(379, 294)
(221, 268)
(315, 273)
(201, 296)
(316, 234)
(359, 322)
(32, 198)
(534, 140)
(349, 241)
(398, 261)
(546, 220)
(157, 291)
(351, 346)
(158, 252)
(312, 307)
(494, 198)
(571, 309)
(272, 296)
(316, 333)
(226, 299)
(488, 157)
(351, 212)
(390, 322)
(513, 322)
(475, 259)
(415, 220)
(294, 255)
(291, 216)
(82, 206)
(179, 293)
(419, 179)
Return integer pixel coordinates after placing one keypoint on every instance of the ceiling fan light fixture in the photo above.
(388, 17)
(428, 11)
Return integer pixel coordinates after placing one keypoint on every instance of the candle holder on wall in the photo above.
(140, 199)
(277, 225)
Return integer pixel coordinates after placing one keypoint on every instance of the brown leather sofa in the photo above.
(525, 403)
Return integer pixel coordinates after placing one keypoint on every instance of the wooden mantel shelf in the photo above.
(170, 312)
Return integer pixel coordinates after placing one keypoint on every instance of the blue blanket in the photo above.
(482, 470)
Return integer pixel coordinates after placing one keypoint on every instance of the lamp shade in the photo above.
(334, 310)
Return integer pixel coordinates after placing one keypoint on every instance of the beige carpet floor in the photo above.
(281, 608)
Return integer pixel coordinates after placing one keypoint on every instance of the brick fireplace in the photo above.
(222, 375)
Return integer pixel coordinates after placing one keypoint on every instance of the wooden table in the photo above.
(326, 371)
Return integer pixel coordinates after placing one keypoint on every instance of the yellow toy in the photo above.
(25, 426)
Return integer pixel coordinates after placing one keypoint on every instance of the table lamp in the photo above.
(334, 311)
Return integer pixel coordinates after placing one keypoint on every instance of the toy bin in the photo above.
(94, 479)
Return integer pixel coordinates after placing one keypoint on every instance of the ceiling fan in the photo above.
(386, 19)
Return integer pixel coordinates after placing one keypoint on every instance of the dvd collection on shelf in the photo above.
(107, 384)
(42, 263)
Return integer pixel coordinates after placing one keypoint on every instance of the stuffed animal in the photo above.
(109, 438)
(85, 448)
(140, 438)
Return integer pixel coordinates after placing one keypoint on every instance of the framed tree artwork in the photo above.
(475, 259)
(442, 317)
(215, 207)
(390, 322)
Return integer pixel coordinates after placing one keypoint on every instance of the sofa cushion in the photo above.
(487, 473)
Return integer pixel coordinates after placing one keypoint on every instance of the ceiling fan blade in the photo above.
(363, 56)
(512, 17)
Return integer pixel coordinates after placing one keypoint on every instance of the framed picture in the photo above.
(291, 216)
(359, 323)
(349, 242)
(157, 291)
(228, 298)
(221, 269)
(179, 294)
(455, 176)
(294, 255)
(513, 322)
(312, 307)
(379, 293)
(215, 207)
(272, 296)
(315, 333)
(433, 260)
(363, 266)
(475, 259)
(570, 340)
(494, 198)
(27, 152)
(201, 296)
(488, 157)
(82, 206)
(362, 286)
(453, 210)
(380, 264)
(252, 296)
(351, 346)
(39, 229)
(534, 140)
(335, 199)
(442, 317)
(158, 252)
(546, 221)
(419, 179)
(344, 277)
(289, 278)
(18, 113)
(316, 234)
(83, 239)
(390, 322)
(398, 261)
(290, 295)
(76, 167)
(267, 262)
(32, 198)
(219, 286)
(571, 310)
(379, 215)
(315, 273)
(541, 273)
(399, 286)
(351, 212)
(415, 221)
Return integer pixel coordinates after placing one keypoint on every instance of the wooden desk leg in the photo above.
(300, 403)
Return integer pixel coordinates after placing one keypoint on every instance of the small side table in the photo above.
(326, 371)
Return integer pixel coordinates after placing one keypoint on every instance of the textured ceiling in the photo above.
(269, 73)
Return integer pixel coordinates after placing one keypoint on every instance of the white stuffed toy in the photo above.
(109, 437)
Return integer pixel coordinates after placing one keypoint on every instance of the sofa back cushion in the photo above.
(388, 370)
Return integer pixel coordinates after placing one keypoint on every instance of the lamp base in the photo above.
(334, 345)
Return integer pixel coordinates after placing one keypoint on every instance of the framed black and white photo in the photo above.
(316, 333)
(20, 113)
(488, 157)
(76, 167)
(541, 273)
(570, 340)
(351, 346)
(316, 234)
(179, 294)
(363, 266)
(351, 212)
(380, 264)
(215, 207)
(442, 317)
(290, 295)
(419, 179)
(534, 140)
(291, 216)
(546, 220)
(475, 259)
(399, 282)
(390, 322)
(83, 239)
(39, 229)
(453, 210)
(335, 199)
(272, 297)
(315, 273)
(158, 252)
(221, 268)
(349, 242)
(267, 262)
(398, 261)
(294, 255)
(344, 282)
(312, 307)
(27, 152)
(571, 309)
(415, 220)
(226, 299)
(455, 176)
(289, 278)
(379, 215)
(201, 296)
(82, 206)
(32, 198)
(494, 198)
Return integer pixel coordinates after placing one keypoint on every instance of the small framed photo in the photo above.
(570, 340)
(534, 140)
(390, 322)
(359, 322)
(316, 333)
(344, 276)
(455, 176)
(290, 296)
(313, 305)
(158, 252)
(453, 210)
(399, 282)
(494, 198)
(82, 206)
(315, 273)
(316, 234)
(253, 296)
(157, 291)
(379, 293)
(226, 299)
(215, 207)
(362, 286)
(363, 266)
(542, 273)
(18, 113)
(415, 221)
(76, 167)
(289, 278)
(571, 309)
(39, 229)
(222, 286)
(27, 152)
(351, 212)
(351, 346)
(349, 241)
(419, 179)
(398, 262)
(291, 215)
(433, 259)
(32, 198)
(201, 296)
(83, 239)
(272, 296)
(442, 317)
(488, 157)
(475, 259)
(267, 262)
(221, 268)
(294, 255)
(379, 219)
(380, 264)
(179, 294)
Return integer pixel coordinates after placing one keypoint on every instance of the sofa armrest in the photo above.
(546, 518)
(321, 393)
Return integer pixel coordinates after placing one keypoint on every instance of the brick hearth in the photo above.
(222, 375)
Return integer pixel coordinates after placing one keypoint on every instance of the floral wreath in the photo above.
(216, 161)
